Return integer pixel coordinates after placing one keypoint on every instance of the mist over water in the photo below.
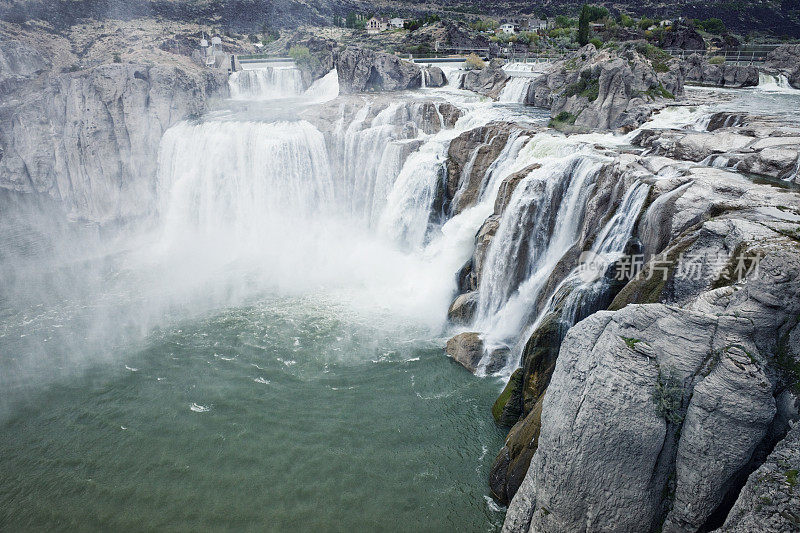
(268, 344)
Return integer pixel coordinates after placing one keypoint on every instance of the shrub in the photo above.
(717, 60)
(562, 118)
(117, 58)
(474, 62)
(564, 22)
(626, 21)
(645, 23)
(668, 397)
(597, 43)
(712, 25)
(303, 58)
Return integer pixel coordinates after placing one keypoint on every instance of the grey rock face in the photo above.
(488, 81)
(770, 501)
(363, 70)
(655, 413)
(434, 77)
(786, 59)
(699, 70)
(682, 36)
(466, 349)
(90, 139)
(775, 156)
(469, 157)
(604, 90)
(18, 63)
(463, 308)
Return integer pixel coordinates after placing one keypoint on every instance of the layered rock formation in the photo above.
(786, 59)
(90, 138)
(766, 150)
(655, 414)
(604, 89)
(699, 70)
(488, 81)
(363, 70)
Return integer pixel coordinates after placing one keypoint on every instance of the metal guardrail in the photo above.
(747, 55)
(262, 58)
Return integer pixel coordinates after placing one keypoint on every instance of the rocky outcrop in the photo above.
(90, 139)
(772, 153)
(700, 71)
(655, 414)
(434, 77)
(770, 501)
(19, 63)
(363, 70)
(469, 156)
(488, 81)
(604, 89)
(682, 36)
(786, 59)
(466, 349)
(321, 56)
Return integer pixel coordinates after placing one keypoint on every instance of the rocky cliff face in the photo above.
(605, 89)
(363, 70)
(699, 70)
(786, 59)
(656, 413)
(90, 138)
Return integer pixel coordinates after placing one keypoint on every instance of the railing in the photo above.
(746, 55)
(262, 58)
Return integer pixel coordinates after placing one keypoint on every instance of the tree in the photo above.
(583, 26)
(350, 22)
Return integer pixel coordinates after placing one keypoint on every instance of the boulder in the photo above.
(488, 81)
(466, 349)
(363, 70)
(462, 310)
(434, 77)
(682, 36)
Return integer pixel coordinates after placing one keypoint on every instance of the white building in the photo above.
(396, 22)
(377, 24)
(535, 24)
(508, 27)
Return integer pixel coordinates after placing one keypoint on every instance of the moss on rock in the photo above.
(508, 407)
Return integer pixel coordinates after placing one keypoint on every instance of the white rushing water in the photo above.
(775, 83)
(266, 83)
(324, 89)
(540, 224)
(515, 90)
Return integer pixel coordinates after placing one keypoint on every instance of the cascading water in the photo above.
(266, 83)
(540, 224)
(778, 83)
(586, 286)
(515, 90)
(324, 89)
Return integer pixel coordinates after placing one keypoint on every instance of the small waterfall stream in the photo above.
(516, 90)
(266, 83)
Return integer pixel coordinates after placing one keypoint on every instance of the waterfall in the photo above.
(540, 224)
(324, 89)
(775, 83)
(266, 83)
(241, 179)
(515, 90)
(586, 286)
